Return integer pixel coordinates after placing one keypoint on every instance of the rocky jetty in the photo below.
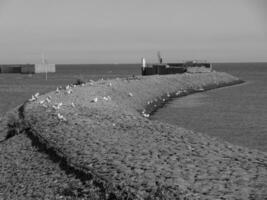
(95, 141)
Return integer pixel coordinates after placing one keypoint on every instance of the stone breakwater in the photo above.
(95, 141)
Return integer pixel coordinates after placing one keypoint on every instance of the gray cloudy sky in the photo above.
(121, 31)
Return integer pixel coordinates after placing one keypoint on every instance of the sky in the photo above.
(124, 31)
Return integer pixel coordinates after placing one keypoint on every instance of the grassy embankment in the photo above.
(111, 150)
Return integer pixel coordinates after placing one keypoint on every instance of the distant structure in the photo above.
(43, 67)
(174, 68)
(159, 57)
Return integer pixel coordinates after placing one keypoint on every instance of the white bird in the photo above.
(146, 115)
(67, 87)
(130, 94)
(57, 90)
(178, 92)
(57, 107)
(48, 99)
(110, 84)
(42, 101)
(106, 98)
(69, 91)
(32, 99)
(94, 100)
(61, 117)
(72, 104)
(36, 95)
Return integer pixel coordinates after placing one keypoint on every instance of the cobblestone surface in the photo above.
(125, 155)
(27, 173)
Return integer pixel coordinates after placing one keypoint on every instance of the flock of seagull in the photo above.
(69, 90)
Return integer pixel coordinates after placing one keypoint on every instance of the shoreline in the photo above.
(122, 154)
(161, 101)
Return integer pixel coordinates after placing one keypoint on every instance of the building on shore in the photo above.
(174, 68)
(28, 68)
(43, 67)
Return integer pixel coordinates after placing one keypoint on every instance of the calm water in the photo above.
(237, 114)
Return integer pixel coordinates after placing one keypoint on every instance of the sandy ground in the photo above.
(97, 139)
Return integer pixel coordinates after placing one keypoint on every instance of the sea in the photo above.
(237, 114)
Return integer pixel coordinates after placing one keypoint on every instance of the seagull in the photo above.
(36, 95)
(178, 92)
(146, 115)
(72, 104)
(48, 99)
(67, 87)
(32, 99)
(200, 89)
(61, 117)
(69, 91)
(94, 100)
(106, 98)
(57, 91)
(57, 107)
(42, 101)
(130, 94)
(110, 84)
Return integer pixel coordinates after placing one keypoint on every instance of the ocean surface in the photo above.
(237, 114)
